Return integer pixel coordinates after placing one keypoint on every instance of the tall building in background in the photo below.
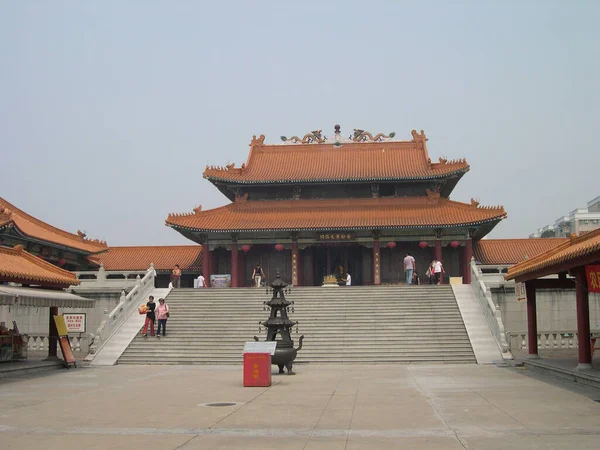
(578, 222)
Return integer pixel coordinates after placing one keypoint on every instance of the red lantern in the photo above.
(423, 244)
(245, 248)
(454, 244)
(61, 262)
(391, 244)
(279, 247)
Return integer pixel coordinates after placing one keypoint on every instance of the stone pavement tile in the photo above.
(399, 416)
(219, 442)
(571, 442)
(277, 417)
(335, 419)
(326, 443)
(508, 443)
(404, 443)
(461, 398)
(485, 417)
(35, 441)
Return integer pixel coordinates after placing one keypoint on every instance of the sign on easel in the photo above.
(63, 341)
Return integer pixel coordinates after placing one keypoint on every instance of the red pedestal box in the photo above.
(257, 369)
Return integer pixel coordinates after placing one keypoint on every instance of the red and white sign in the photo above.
(593, 278)
(75, 322)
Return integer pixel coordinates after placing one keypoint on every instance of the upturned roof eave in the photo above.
(336, 228)
(213, 178)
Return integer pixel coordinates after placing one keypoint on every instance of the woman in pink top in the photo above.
(162, 313)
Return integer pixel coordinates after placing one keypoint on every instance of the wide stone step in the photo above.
(342, 325)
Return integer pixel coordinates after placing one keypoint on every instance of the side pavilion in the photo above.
(578, 257)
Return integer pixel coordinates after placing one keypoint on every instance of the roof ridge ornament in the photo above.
(365, 136)
(197, 209)
(433, 196)
(475, 202)
(314, 137)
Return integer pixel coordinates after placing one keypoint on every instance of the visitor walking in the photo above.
(201, 282)
(150, 317)
(438, 270)
(348, 279)
(409, 267)
(162, 314)
(176, 276)
(415, 279)
(430, 273)
(258, 275)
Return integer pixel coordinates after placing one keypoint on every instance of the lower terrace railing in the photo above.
(37, 344)
(490, 310)
(558, 341)
(121, 279)
(127, 304)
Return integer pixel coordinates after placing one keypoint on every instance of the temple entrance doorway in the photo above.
(328, 258)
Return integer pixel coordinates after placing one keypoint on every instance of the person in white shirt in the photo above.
(348, 279)
(201, 282)
(438, 270)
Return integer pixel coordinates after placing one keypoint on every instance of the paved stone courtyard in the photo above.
(323, 407)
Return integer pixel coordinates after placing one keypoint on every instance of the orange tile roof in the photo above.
(367, 213)
(35, 228)
(19, 266)
(372, 161)
(189, 257)
(511, 251)
(573, 252)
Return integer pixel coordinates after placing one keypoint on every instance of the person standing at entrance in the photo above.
(409, 267)
(150, 317)
(438, 270)
(258, 275)
(348, 279)
(176, 276)
(201, 282)
(162, 313)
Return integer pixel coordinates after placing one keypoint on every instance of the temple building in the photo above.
(61, 248)
(310, 205)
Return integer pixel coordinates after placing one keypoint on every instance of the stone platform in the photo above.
(322, 407)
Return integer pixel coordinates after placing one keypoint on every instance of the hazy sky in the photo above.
(110, 111)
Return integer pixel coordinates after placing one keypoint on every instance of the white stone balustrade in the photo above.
(127, 304)
(38, 344)
(490, 310)
(547, 340)
(108, 279)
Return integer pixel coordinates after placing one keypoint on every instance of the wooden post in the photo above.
(52, 334)
(206, 264)
(295, 264)
(438, 255)
(234, 265)
(376, 262)
(532, 339)
(467, 256)
(583, 320)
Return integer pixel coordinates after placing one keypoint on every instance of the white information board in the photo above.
(75, 322)
(260, 347)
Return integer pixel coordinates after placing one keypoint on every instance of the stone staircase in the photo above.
(358, 324)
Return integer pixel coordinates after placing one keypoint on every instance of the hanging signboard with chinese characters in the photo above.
(334, 236)
(520, 292)
(75, 322)
(593, 278)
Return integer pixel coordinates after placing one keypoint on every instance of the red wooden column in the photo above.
(295, 264)
(468, 255)
(376, 262)
(206, 264)
(583, 320)
(234, 265)
(52, 334)
(532, 339)
(438, 255)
